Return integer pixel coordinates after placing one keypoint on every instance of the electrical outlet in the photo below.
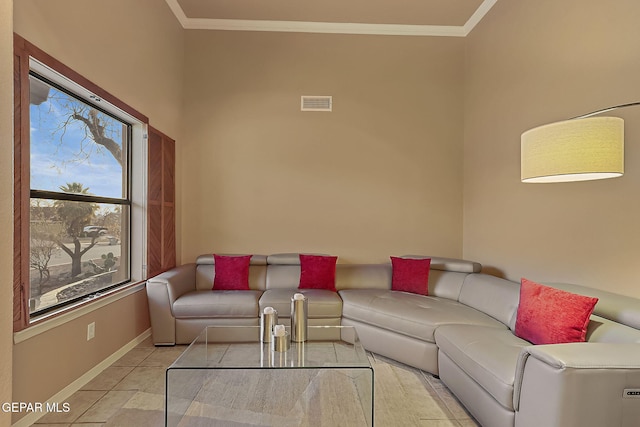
(91, 330)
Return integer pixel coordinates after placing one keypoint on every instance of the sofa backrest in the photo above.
(447, 275)
(605, 330)
(492, 295)
(615, 318)
(205, 272)
(363, 276)
(445, 278)
(444, 284)
(283, 271)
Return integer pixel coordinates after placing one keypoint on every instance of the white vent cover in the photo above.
(316, 103)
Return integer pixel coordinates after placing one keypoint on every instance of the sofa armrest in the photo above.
(578, 384)
(162, 291)
(178, 281)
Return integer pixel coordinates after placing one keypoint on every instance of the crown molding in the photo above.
(477, 16)
(323, 27)
(331, 27)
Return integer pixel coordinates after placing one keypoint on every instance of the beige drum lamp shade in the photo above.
(573, 150)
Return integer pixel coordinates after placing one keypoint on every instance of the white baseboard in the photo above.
(64, 394)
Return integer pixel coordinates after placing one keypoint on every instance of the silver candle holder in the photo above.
(299, 317)
(281, 339)
(268, 320)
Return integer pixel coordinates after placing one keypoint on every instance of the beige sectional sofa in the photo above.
(462, 331)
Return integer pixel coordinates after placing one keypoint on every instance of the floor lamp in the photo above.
(579, 149)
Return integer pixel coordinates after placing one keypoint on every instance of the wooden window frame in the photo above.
(23, 50)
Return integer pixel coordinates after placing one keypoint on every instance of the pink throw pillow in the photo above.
(231, 272)
(410, 275)
(552, 316)
(318, 272)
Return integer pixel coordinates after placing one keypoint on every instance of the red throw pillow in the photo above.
(231, 272)
(410, 275)
(552, 316)
(318, 272)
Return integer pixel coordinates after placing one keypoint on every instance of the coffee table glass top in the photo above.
(233, 347)
(228, 377)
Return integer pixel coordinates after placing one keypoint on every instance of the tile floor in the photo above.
(131, 393)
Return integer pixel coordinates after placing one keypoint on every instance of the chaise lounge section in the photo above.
(408, 321)
(463, 331)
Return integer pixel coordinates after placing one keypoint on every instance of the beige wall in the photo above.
(134, 50)
(381, 175)
(48, 362)
(530, 63)
(6, 207)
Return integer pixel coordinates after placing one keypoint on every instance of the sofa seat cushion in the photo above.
(215, 304)
(322, 302)
(487, 355)
(417, 316)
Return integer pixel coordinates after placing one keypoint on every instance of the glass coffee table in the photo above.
(227, 377)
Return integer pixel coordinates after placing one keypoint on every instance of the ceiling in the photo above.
(454, 18)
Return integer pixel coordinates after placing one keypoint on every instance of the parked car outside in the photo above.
(95, 230)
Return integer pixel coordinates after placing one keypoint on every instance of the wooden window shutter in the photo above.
(161, 239)
(21, 186)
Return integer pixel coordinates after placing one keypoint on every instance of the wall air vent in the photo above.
(316, 103)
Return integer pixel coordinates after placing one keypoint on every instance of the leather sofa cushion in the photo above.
(487, 355)
(417, 316)
(450, 264)
(283, 276)
(214, 304)
(497, 297)
(322, 303)
(363, 276)
(605, 330)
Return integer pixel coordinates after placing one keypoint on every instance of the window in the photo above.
(79, 199)
(80, 189)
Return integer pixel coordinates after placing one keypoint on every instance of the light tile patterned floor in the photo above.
(130, 393)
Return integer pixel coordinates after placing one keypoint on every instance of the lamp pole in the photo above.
(604, 110)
